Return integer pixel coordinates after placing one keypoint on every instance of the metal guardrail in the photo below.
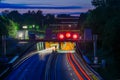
(81, 55)
(16, 60)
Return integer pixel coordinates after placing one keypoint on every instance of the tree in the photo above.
(3, 24)
(96, 20)
(82, 19)
(106, 3)
(105, 21)
(8, 27)
(32, 18)
(49, 19)
(15, 16)
(113, 3)
(12, 28)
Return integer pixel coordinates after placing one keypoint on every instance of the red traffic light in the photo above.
(75, 36)
(61, 36)
(68, 35)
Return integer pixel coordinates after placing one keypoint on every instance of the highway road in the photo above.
(48, 65)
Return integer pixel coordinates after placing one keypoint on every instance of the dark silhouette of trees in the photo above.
(82, 20)
(32, 18)
(106, 3)
(105, 21)
(15, 16)
(3, 24)
(49, 19)
(29, 18)
(40, 21)
(113, 3)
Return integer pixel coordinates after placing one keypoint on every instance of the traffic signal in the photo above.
(75, 36)
(68, 36)
(61, 36)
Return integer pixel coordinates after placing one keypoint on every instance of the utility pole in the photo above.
(4, 45)
(3, 58)
(95, 48)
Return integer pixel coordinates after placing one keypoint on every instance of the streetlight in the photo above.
(24, 27)
(33, 26)
(25, 31)
(20, 35)
(70, 26)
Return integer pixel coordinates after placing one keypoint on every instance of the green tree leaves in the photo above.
(8, 27)
(3, 24)
(12, 28)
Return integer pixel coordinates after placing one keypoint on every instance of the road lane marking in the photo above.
(69, 69)
(71, 74)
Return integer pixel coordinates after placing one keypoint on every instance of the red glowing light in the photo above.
(68, 35)
(75, 36)
(61, 36)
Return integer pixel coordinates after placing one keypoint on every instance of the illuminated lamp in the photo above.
(75, 36)
(68, 35)
(61, 36)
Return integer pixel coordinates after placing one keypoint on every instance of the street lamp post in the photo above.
(95, 48)
(25, 31)
(4, 45)
(4, 58)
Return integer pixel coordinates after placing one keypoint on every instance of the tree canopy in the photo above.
(105, 21)
(8, 27)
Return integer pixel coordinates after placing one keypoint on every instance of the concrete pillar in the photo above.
(59, 45)
(43, 45)
(38, 46)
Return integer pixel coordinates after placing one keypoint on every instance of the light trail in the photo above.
(73, 67)
(70, 57)
(81, 69)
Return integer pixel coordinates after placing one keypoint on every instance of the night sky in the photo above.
(47, 6)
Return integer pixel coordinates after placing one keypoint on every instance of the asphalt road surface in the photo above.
(48, 65)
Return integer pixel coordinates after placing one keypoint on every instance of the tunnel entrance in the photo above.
(65, 46)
